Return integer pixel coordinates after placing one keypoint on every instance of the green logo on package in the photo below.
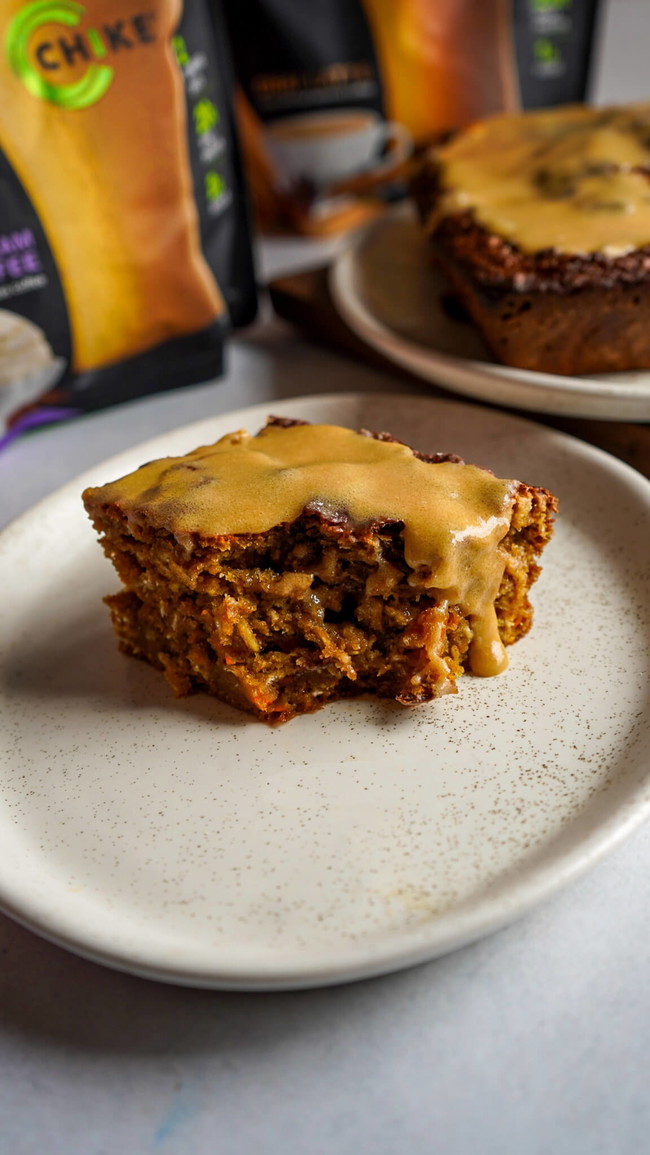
(41, 62)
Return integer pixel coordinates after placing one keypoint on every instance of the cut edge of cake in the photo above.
(314, 609)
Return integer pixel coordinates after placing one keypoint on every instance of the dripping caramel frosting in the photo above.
(572, 179)
(454, 515)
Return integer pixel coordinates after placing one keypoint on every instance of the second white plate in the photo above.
(387, 291)
(186, 841)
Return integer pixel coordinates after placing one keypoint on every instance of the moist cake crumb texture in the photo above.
(310, 562)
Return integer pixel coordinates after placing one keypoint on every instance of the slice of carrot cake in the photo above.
(540, 222)
(310, 562)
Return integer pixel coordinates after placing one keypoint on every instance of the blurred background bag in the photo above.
(335, 96)
(125, 252)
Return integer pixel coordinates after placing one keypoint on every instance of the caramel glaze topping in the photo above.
(454, 515)
(574, 179)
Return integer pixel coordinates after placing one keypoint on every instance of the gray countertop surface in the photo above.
(533, 1040)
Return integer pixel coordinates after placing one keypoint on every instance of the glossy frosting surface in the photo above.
(454, 515)
(569, 178)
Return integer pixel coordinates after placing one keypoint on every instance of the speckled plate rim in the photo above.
(625, 399)
(453, 931)
(444, 933)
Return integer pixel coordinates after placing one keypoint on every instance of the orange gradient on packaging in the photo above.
(111, 182)
(443, 62)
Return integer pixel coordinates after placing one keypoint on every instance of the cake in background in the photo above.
(541, 223)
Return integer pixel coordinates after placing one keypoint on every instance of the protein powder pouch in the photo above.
(125, 251)
(335, 96)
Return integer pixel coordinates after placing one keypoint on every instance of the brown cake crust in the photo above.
(551, 311)
(279, 623)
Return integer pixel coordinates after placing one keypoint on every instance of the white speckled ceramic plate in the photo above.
(186, 841)
(387, 291)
